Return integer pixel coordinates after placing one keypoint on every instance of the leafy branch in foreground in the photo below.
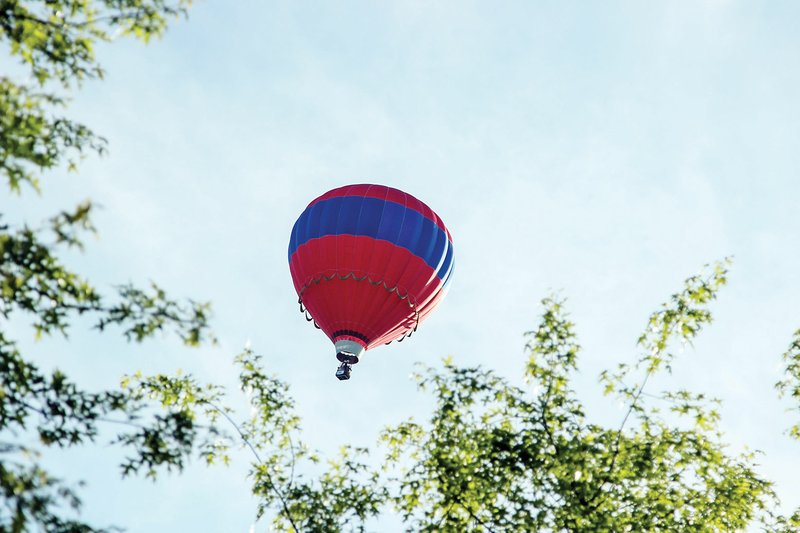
(31, 495)
(56, 410)
(492, 457)
(61, 414)
(343, 497)
(55, 42)
(34, 281)
(495, 457)
(790, 384)
(32, 137)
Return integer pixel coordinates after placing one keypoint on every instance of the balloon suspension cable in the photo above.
(309, 318)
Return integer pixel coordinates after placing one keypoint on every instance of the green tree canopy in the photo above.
(55, 42)
(496, 457)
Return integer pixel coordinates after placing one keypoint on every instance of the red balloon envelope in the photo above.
(369, 263)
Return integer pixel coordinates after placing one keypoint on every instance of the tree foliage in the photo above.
(492, 456)
(55, 42)
(501, 458)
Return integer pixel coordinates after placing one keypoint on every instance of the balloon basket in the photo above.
(343, 372)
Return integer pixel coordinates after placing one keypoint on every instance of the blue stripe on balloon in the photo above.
(379, 219)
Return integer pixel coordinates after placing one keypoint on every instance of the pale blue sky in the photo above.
(603, 150)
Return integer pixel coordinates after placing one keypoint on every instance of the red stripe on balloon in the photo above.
(365, 306)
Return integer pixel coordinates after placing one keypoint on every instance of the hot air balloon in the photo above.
(369, 264)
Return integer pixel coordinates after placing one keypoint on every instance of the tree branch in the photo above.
(272, 485)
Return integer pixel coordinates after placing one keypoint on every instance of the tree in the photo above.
(496, 457)
(491, 457)
(55, 42)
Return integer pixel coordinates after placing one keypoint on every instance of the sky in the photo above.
(600, 151)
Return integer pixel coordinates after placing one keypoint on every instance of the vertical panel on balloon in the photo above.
(327, 227)
(325, 249)
(394, 220)
(425, 245)
(293, 239)
(306, 257)
(418, 272)
(390, 229)
(345, 229)
(307, 225)
(347, 225)
(387, 229)
(422, 282)
(369, 218)
(411, 233)
(313, 223)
